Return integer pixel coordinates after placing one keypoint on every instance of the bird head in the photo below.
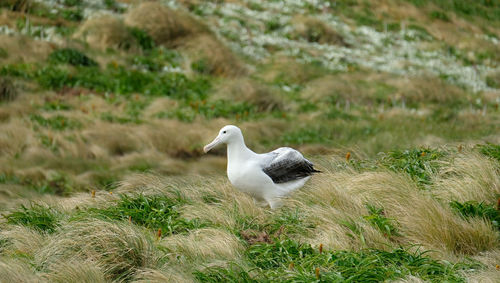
(226, 135)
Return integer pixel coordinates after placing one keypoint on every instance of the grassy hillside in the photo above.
(105, 107)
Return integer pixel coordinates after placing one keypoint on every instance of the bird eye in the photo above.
(224, 132)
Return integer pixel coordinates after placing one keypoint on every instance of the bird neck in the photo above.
(237, 150)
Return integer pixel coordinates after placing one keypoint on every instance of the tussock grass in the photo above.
(469, 177)
(204, 245)
(118, 248)
(8, 91)
(105, 32)
(23, 49)
(246, 90)
(17, 271)
(164, 25)
(210, 56)
(76, 271)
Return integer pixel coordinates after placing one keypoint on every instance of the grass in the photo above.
(153, 212)
(290, 261)
(72, 57)
(103, 122)
(478, 209)
(114, 79)
(420, 164)
(35, 216)
(491, 150)
(58, 122)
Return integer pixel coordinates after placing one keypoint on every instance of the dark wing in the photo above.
(287, 165)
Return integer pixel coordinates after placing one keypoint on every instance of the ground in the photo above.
(105, 107)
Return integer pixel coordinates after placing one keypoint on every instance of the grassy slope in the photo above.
(88, 103)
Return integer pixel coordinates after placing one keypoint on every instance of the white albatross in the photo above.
(267, 176)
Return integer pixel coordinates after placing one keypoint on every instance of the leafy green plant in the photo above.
(155, 212)
(142, 38)
(291, 261)
(478, 209)
(419, 163)
(58, 184)
(439, 15)
(58, 122)
(56, 105)
(378, 219)
(75, 15)
(491, 150)
(215, 274)
(36, 216)
(71, 56)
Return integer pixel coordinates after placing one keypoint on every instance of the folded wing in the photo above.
(287, 164)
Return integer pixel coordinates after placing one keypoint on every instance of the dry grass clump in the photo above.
(105, 32)
(114, 139)
(118, 248)
(24, 49)
(21, 240)
(420, 218)
(247, 90)
(14, 137)
(469, 177)
(206, 245)
(76, 271)
(315, 30)
(287, 70)
(16, 271)
(7, 90)
(164, 25)
(178, 29)
(164, 136)
(165, 274)
(426, 89)
(210, 56)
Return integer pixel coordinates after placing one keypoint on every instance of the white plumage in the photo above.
(266, 177)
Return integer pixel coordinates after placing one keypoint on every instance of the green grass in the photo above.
(419, 163)
(378, 219)
(154, 212)
(113, 79)
(71, 56)
(38, 217)
(59, 122)
(478, 209)
(486, 9)
(291, 261)
(490, 150)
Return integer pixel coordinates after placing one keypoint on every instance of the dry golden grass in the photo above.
(105, 32)
(212, 56)
(8, 91)
(118, 248)
(251, 91)
(22, 240)
(16, 271)
(24, 49)
(204, 245)
(14, 137)
(164, 25)
(468, 177)
(421, 219)
(76, 271)
(165, 274)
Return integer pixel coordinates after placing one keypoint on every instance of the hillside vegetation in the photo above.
(105, 106)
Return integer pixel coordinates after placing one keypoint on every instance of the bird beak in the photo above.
(211, 145)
